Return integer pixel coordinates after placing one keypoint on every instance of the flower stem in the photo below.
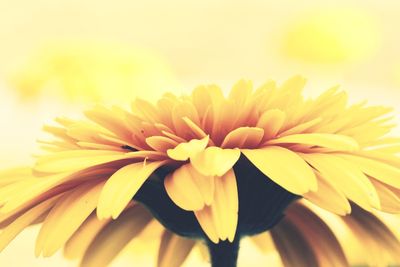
(225, 253)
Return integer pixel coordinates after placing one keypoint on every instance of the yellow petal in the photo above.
(184, 151)
(271, 121)
(284, 167)
(26, 191)
(299, 128)
(184, 187)
(205, 219)
(318, 236)
(390, 202)
(79, 159)
(225, 206)
(374, 233)
(381, 171)
(173, 250)
(122, 186)
(197, 131)
(293, 248)
(215, 160)
(66, 217)
(109, 120)
(329, 197)
(333, 141)
(161, 143)
(13, 229)
(13, 175)
(347, 177)
(115, 236)
(243, 137)
(182, 109)
(82, 238)
(241, 91)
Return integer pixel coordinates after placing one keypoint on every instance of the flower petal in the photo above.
(184, 151)
(219, 221)
(66, 217)
(115, 236)
(79, 242)
(185, 187)
(80, 159)
(161, 143)
(322, 240)
(347, 177)
(390, 201)
(284, 167)
(329, 197)
(271, 121)
(205, 219)
(243, 137)
(215, 160)
(18, 225)
(333, 141)
(173, 250)
(383, 172)
(122, 186)
(226, 206)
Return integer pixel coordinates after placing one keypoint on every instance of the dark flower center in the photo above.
(261, 205)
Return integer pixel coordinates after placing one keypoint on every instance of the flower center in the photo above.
(262, 203)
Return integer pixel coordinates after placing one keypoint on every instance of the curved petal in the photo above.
(18, 225)
(66, 217)
(347, 177)
(75, 159)
(390, 201)
(215, 161)
(173, 250)
(333, 141)
(322, 241)
(205, 219)
(284, 167)
(226, 206)
(329, 197)
(115, 236)
(243, 137)
(219, 221)
(79, 242)
(184, 151)
(381, 171)
(271, 121)
(189, 189)
(293, 248)
(161, 143)
(122, 186)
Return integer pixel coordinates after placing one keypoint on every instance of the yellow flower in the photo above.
(92, 71)
(208, 166)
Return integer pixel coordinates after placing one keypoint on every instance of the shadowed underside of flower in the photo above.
(208, 166)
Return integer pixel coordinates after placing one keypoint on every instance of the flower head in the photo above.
(210, 166)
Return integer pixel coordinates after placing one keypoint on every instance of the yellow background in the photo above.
(197, 42)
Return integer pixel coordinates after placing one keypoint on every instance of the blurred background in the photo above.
(60, 56)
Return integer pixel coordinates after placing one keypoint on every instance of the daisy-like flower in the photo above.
(208, 166)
